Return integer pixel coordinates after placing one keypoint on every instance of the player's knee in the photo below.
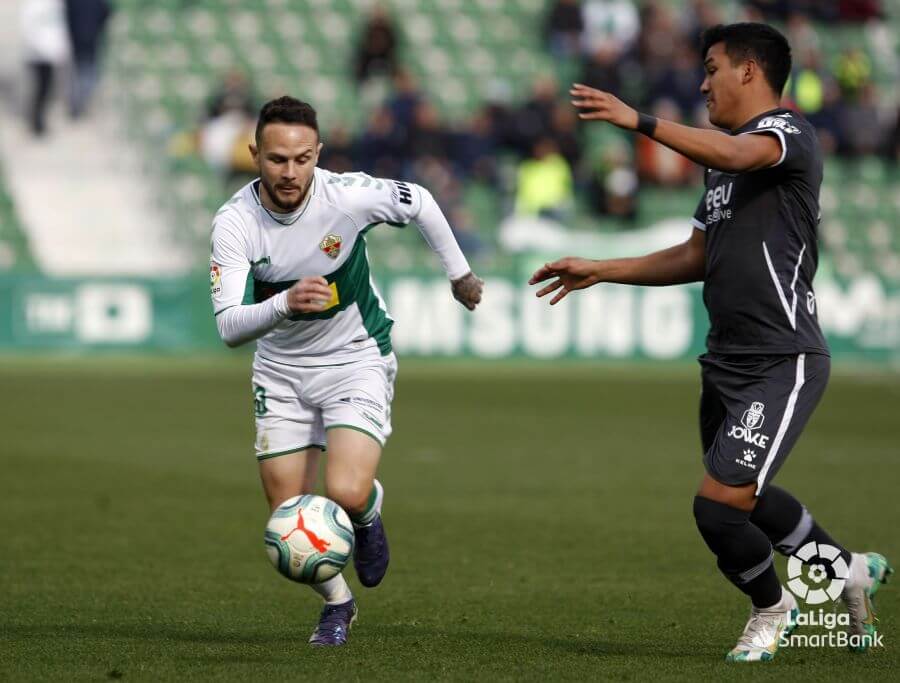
(717, 521)
(350, 495)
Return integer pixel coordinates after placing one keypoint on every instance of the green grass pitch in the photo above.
(539, 518)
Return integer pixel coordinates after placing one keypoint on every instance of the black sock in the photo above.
(789, 525)
(743, 551)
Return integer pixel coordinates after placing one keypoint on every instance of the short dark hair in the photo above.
(760, 42)
(286, 110)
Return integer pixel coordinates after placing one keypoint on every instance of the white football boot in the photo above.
(764, 631)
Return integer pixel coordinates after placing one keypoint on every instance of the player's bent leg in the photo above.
(792, 529)
(289, 474)
(744, 555)
(350, 481)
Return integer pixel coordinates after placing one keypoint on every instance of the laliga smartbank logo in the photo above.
(817, 575)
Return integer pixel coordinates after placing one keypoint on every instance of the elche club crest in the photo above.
(753, 417)
(331, 246)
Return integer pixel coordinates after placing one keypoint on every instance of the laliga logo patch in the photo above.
(215, 278)
(815, 588)
(331, 246)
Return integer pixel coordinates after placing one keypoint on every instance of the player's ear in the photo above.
(748, 71)
(254, 152)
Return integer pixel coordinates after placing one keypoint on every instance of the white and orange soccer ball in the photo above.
(309, 538)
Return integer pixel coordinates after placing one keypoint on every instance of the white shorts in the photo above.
(295, 406)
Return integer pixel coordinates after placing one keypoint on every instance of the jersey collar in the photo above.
(286, 218)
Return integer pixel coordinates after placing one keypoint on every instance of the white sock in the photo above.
(335, 590)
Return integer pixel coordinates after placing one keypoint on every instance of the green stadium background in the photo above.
(165, 58)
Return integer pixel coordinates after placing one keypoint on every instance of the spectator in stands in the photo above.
(474, 148)
(564, 131)
(338, 152)
(47, 47)
(853, 71)
(601, 70)
(657, 164)
(613, 185)
(376, 53)
(427, 136)
(677, 81)
(86, 21)
(535, 116)
(544, 183)
(860, 125)
(379, 147)
(562, 29)
(612, 24)
(234, 94)
(228, 125)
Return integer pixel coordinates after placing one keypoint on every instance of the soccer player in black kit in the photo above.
(754, 247)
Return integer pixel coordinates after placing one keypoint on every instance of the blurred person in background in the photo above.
(613, 184)
(47, 48)
(562, 28)
(227, 126)
(658, 164)
(339, 151)
(612, 24)
(86, 21)
(376, 51)
(544, 186)
(324, 367)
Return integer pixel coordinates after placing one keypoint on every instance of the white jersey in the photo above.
(257, 254)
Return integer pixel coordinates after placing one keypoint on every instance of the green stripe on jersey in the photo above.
(354, 285)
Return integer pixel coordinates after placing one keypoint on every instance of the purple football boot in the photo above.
(334, 624)
(371, 555)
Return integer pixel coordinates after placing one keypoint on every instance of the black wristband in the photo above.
(646, 124)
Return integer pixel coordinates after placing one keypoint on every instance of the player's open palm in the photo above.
(571, 273)
(309, 295)
(597, 105)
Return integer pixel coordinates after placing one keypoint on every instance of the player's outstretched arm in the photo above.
(465, 285)
(676, 265)
(709, 148)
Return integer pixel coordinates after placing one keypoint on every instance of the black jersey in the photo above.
(761, 252)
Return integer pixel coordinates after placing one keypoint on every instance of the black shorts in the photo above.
(752, 410)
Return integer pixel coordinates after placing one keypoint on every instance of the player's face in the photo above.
(286, 157)
(722, 86)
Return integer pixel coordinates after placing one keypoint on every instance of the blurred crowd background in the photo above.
(469, 98)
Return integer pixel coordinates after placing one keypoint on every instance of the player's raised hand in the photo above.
(467, 290)
(571, 273)
(596, 105)
(309, 295)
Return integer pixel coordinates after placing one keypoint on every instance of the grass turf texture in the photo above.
(539, 518)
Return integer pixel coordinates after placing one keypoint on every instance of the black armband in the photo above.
(646, 124)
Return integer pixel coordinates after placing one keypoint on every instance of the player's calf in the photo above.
(371, 555)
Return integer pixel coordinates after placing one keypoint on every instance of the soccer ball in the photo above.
(309, 539)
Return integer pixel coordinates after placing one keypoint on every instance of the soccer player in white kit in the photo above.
(289, 269)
